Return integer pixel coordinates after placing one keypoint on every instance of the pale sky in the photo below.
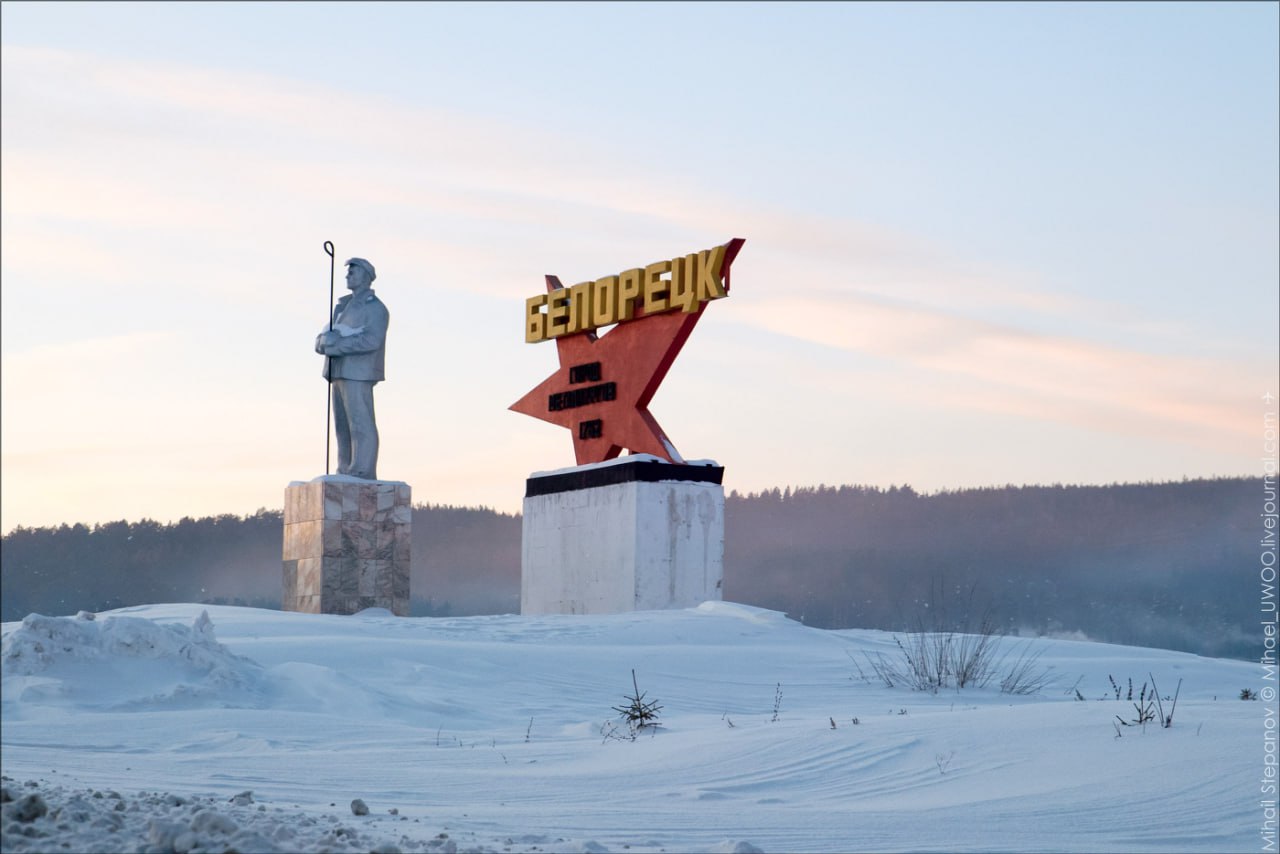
(985, 243)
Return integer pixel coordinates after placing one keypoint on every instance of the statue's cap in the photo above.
(365, 265)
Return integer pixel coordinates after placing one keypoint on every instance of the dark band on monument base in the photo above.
(644, 471)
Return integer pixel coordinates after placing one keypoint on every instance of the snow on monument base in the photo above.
(346, 545)
(633, 534)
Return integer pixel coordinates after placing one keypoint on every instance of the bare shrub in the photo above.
(959, 654)
(1149, 707)
(1166, 721)
(1023, 674)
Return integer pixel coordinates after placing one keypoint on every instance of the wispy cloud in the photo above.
(1014, 371)
(191, 150)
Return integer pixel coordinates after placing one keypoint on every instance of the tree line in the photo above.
(1170, 565)
(1159, 564)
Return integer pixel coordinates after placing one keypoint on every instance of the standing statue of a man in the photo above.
(354, 346)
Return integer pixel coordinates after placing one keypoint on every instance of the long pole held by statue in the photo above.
(328, 396)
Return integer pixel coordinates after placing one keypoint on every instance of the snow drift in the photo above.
(490, 734)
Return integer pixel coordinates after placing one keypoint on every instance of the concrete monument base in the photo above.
(633, 534)
(346, 545)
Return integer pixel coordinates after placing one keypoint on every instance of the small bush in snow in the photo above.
(635, 716)
(1149, 707)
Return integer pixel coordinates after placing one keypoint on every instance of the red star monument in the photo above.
(603, 387)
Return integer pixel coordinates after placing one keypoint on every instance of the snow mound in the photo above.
(124, 662)
(39, 817)
(731, 847)
(750, 613)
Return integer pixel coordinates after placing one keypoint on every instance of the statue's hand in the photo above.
(321, 341)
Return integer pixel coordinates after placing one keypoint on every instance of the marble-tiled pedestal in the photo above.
(346, 545)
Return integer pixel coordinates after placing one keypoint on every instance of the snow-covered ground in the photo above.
(156, 728)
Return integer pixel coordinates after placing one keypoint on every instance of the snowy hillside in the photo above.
(140, 727)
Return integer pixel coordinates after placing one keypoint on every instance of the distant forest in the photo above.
(1170, 565)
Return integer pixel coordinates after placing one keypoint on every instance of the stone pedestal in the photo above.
(629, 535)
(346, 545)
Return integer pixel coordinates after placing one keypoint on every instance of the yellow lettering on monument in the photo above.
(604, 301)
(535, 328)
(557, 312)
(579, 308)
(655, 287)
(709, 263)
(630, 283)
(684, 283)
(694, 279)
